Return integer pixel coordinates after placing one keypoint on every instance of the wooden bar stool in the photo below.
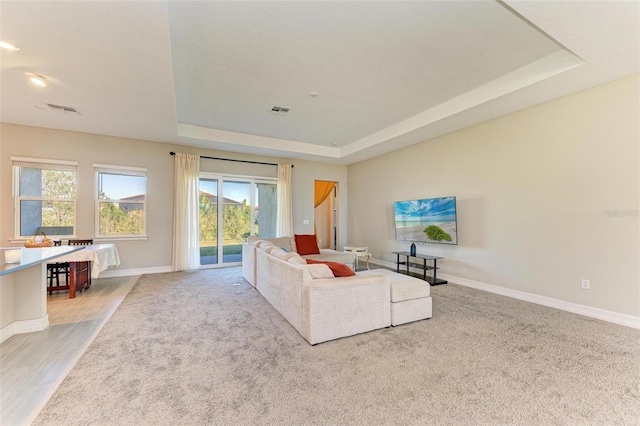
(54, 270)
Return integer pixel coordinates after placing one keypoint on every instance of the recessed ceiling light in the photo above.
(8, 46)
(314, 94)
(38, 80)
(335, 144)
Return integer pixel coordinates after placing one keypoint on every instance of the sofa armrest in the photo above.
(280, 284)
(249, 263)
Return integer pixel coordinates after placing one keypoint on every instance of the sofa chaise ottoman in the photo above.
(410, 297)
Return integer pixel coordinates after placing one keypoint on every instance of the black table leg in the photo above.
(424, 269)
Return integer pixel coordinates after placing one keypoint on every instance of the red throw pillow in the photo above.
(306, 244)
(338, 269)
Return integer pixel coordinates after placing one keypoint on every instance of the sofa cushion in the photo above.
(297, 259)
(264, 244)
(403, 287)
(275, 251)
(329, 255)
(338, 269)
(306, 244)
(320, 271)
(252, 240)
(286, 256)
(282, 242)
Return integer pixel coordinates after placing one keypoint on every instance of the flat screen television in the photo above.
(430, 220)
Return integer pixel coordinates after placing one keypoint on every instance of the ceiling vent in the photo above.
(278, 110)
(63, 109)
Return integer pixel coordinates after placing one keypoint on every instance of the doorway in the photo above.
(326, 213)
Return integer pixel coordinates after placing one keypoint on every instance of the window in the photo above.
(121, 200)
(44, 194)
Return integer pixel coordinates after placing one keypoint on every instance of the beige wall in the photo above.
(545, 197)
(154, 252)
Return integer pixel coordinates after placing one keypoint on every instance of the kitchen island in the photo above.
(23, 288)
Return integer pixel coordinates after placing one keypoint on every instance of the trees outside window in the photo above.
(236, 219)
(208, 218)
(121, 200)
(45, 197)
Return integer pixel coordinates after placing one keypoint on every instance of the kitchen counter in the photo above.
(32, 256)
(23, 289)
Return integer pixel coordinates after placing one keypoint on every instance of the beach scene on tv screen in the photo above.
(429, 220)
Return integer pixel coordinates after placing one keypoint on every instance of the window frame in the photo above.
(123, 171)
(17, 163)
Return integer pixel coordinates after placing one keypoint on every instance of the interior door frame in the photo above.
(334, 215)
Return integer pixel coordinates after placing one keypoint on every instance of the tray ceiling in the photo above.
(359, 78)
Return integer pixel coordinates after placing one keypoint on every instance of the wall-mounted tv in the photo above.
(431, 220)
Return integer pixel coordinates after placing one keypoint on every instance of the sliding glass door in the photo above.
(236, 218)
(238, 207)
(208, 221)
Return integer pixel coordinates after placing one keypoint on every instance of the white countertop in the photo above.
(33, 256)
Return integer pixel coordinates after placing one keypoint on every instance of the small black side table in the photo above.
(431, 280)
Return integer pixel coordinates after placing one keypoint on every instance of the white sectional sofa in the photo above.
(319, 306)
(322, 307)
(289, 245)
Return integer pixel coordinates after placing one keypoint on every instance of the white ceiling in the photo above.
(387, 74)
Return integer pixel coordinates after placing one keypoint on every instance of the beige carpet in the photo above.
(205, 348)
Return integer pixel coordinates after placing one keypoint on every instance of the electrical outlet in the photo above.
(305, 222)
(585, 284)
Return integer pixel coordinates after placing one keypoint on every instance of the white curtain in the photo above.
(186, 218)
(284, 227)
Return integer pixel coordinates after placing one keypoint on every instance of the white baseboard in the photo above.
(588, 311)
(109, 273)
(27, 326)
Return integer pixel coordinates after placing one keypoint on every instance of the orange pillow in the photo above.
(338, 269)
(306, 244)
